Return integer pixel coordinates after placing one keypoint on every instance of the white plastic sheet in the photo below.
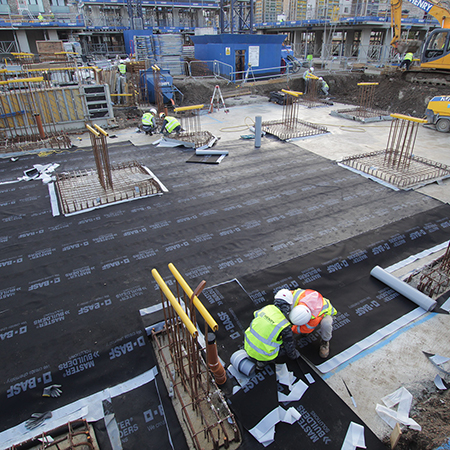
(354, 437)
(264, 431)
(402, 399)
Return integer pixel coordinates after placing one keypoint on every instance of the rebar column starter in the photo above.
(211, 424)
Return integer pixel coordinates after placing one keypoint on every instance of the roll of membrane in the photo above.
(419, 298)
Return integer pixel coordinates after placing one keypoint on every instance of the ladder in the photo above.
(217, 93)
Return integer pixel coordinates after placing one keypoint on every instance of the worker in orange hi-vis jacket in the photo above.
(310, 311)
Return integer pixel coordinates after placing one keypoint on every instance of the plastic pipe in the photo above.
(197, 303)
(258, 122)
(176, 306)
(403, 288)
(211, 152)
(214, 363)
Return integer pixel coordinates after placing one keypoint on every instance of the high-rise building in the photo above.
(268, 10)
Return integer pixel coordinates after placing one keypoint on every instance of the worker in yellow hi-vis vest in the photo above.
(407, 60)
(170, 124)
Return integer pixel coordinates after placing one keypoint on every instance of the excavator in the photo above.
(434, 56)
(435, 51)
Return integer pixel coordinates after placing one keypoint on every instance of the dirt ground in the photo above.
(393, 94)
(432, 412)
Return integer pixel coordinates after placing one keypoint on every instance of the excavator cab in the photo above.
(436, 50)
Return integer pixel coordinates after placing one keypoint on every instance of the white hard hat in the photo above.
(153, 111)
(300, 315)
(311, 69)
(286, 295)
(162, 115)
(320, 78)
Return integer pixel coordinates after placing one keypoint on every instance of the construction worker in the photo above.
(269, 336)
(307, 77)
(324, 86)
(407, 60)
(170, 124)
(52, 16)
(149, 121)
(310, 311)
(122, 68)
(40, 17)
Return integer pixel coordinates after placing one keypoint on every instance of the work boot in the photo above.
(324, 349)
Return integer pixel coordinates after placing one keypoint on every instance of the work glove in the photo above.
(52, 391)
(37, 419)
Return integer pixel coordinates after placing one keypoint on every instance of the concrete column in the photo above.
(364, 45)
(318, 43)
(199, 18)
(22, 40)
(176, 17)
(349, 37)
(52, 35)
(297, 44)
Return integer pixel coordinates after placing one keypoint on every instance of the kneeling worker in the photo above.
(310, 310)
(149, 122)
(269, 336)
(170, 124)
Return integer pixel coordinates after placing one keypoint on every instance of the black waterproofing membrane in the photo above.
(72, 287)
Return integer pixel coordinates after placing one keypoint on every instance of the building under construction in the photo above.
(129, 278)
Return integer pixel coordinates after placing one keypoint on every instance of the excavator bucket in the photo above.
(410, 45)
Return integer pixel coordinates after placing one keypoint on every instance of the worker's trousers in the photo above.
(325, 328)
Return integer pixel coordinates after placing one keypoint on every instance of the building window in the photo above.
(58, 2)
(32, 2)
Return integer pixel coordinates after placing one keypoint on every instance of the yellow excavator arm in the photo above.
(440, 11)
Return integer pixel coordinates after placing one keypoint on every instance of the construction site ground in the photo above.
(398, 360)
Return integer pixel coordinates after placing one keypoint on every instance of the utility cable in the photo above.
(239, 127)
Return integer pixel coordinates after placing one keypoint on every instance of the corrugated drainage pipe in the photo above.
(403, 288)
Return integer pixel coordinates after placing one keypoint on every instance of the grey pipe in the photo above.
(403, 288)
(211, 152)
(258, 123)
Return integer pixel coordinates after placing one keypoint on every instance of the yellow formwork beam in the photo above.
(46, 69)
(294, 93)
(411, 119)
(176, 306)
(188, 108)
(23, 80)
(197, 303)
(368, 84)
